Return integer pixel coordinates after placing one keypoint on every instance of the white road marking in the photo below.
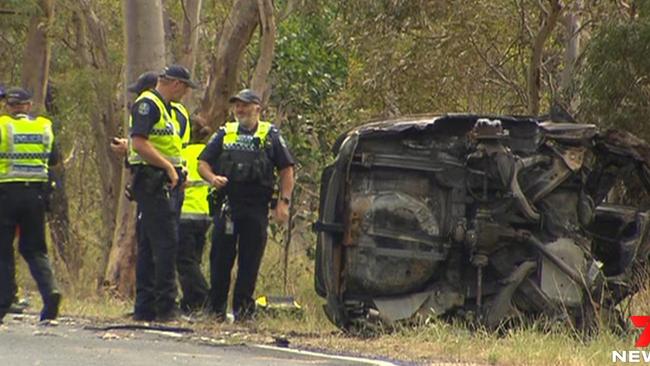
(324, 355)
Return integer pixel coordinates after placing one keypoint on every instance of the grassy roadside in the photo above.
(434, 342)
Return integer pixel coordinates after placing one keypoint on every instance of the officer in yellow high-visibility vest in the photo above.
(194, 215)
(241, 160)
(156, 160)
(16, 306)
(147, 81)
(27, 152)
(195, 220)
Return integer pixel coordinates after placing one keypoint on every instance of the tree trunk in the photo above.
(36, 57)
(267, 47)
(189, 47)
(35, 74)
(549, 20)
(93, 53)
(224, 73)
(145, 51)
(571, 55)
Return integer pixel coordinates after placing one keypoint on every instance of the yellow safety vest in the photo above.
(231, 140)
(195, 204)
(245, 160)
(187, 134)
(25, 148)
(163, 136)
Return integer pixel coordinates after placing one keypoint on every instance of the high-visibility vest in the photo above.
(244, 158)
(25, 148)
(195, 205)
(163, 136)
(232, 140)
(187, 134)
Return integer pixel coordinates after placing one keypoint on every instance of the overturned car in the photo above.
(489, 218)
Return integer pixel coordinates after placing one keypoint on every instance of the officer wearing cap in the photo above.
(15, 307)
(27, 152)
(155, 157)
(240, 160)
(194, 221)
(147, 81)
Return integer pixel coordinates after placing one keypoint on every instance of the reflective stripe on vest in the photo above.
(195, 217)
(25, 148)
(195, 204)
(163, 136)
(233, 140)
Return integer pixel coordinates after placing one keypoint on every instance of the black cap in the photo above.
(246, 96)
(146, 80)
(179, 72)
(17, 96)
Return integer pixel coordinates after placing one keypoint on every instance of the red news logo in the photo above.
(642, 321)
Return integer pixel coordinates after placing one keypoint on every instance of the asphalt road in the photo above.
(24, 342)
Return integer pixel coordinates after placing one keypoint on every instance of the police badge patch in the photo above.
(144, 108)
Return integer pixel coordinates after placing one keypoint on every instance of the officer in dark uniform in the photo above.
(240, 160)
(194, 219)
(27, 152)
(155, 157)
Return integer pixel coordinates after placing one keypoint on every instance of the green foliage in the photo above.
(307, 66)
(615, 83)
(308, 69)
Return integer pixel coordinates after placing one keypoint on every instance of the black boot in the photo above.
(51, 306)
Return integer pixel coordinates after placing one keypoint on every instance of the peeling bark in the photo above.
(189, 49)
(571, 56)
(267, 48)
(36, 56)
(224, 72)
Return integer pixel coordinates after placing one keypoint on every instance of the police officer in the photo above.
(155, 157)
(27, 152)
(194, 224)
(147, 81)
(240, 160)
(194, 220)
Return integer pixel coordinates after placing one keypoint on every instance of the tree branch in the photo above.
(267, 47)
(548, 24)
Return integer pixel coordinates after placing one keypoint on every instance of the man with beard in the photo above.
(240, 160)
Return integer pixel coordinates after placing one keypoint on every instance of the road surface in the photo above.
(24, 342)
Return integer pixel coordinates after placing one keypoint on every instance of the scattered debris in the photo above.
(109, 336)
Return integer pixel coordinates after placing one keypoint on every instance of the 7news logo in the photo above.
(636, 356)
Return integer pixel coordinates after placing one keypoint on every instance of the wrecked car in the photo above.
(489, 218)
